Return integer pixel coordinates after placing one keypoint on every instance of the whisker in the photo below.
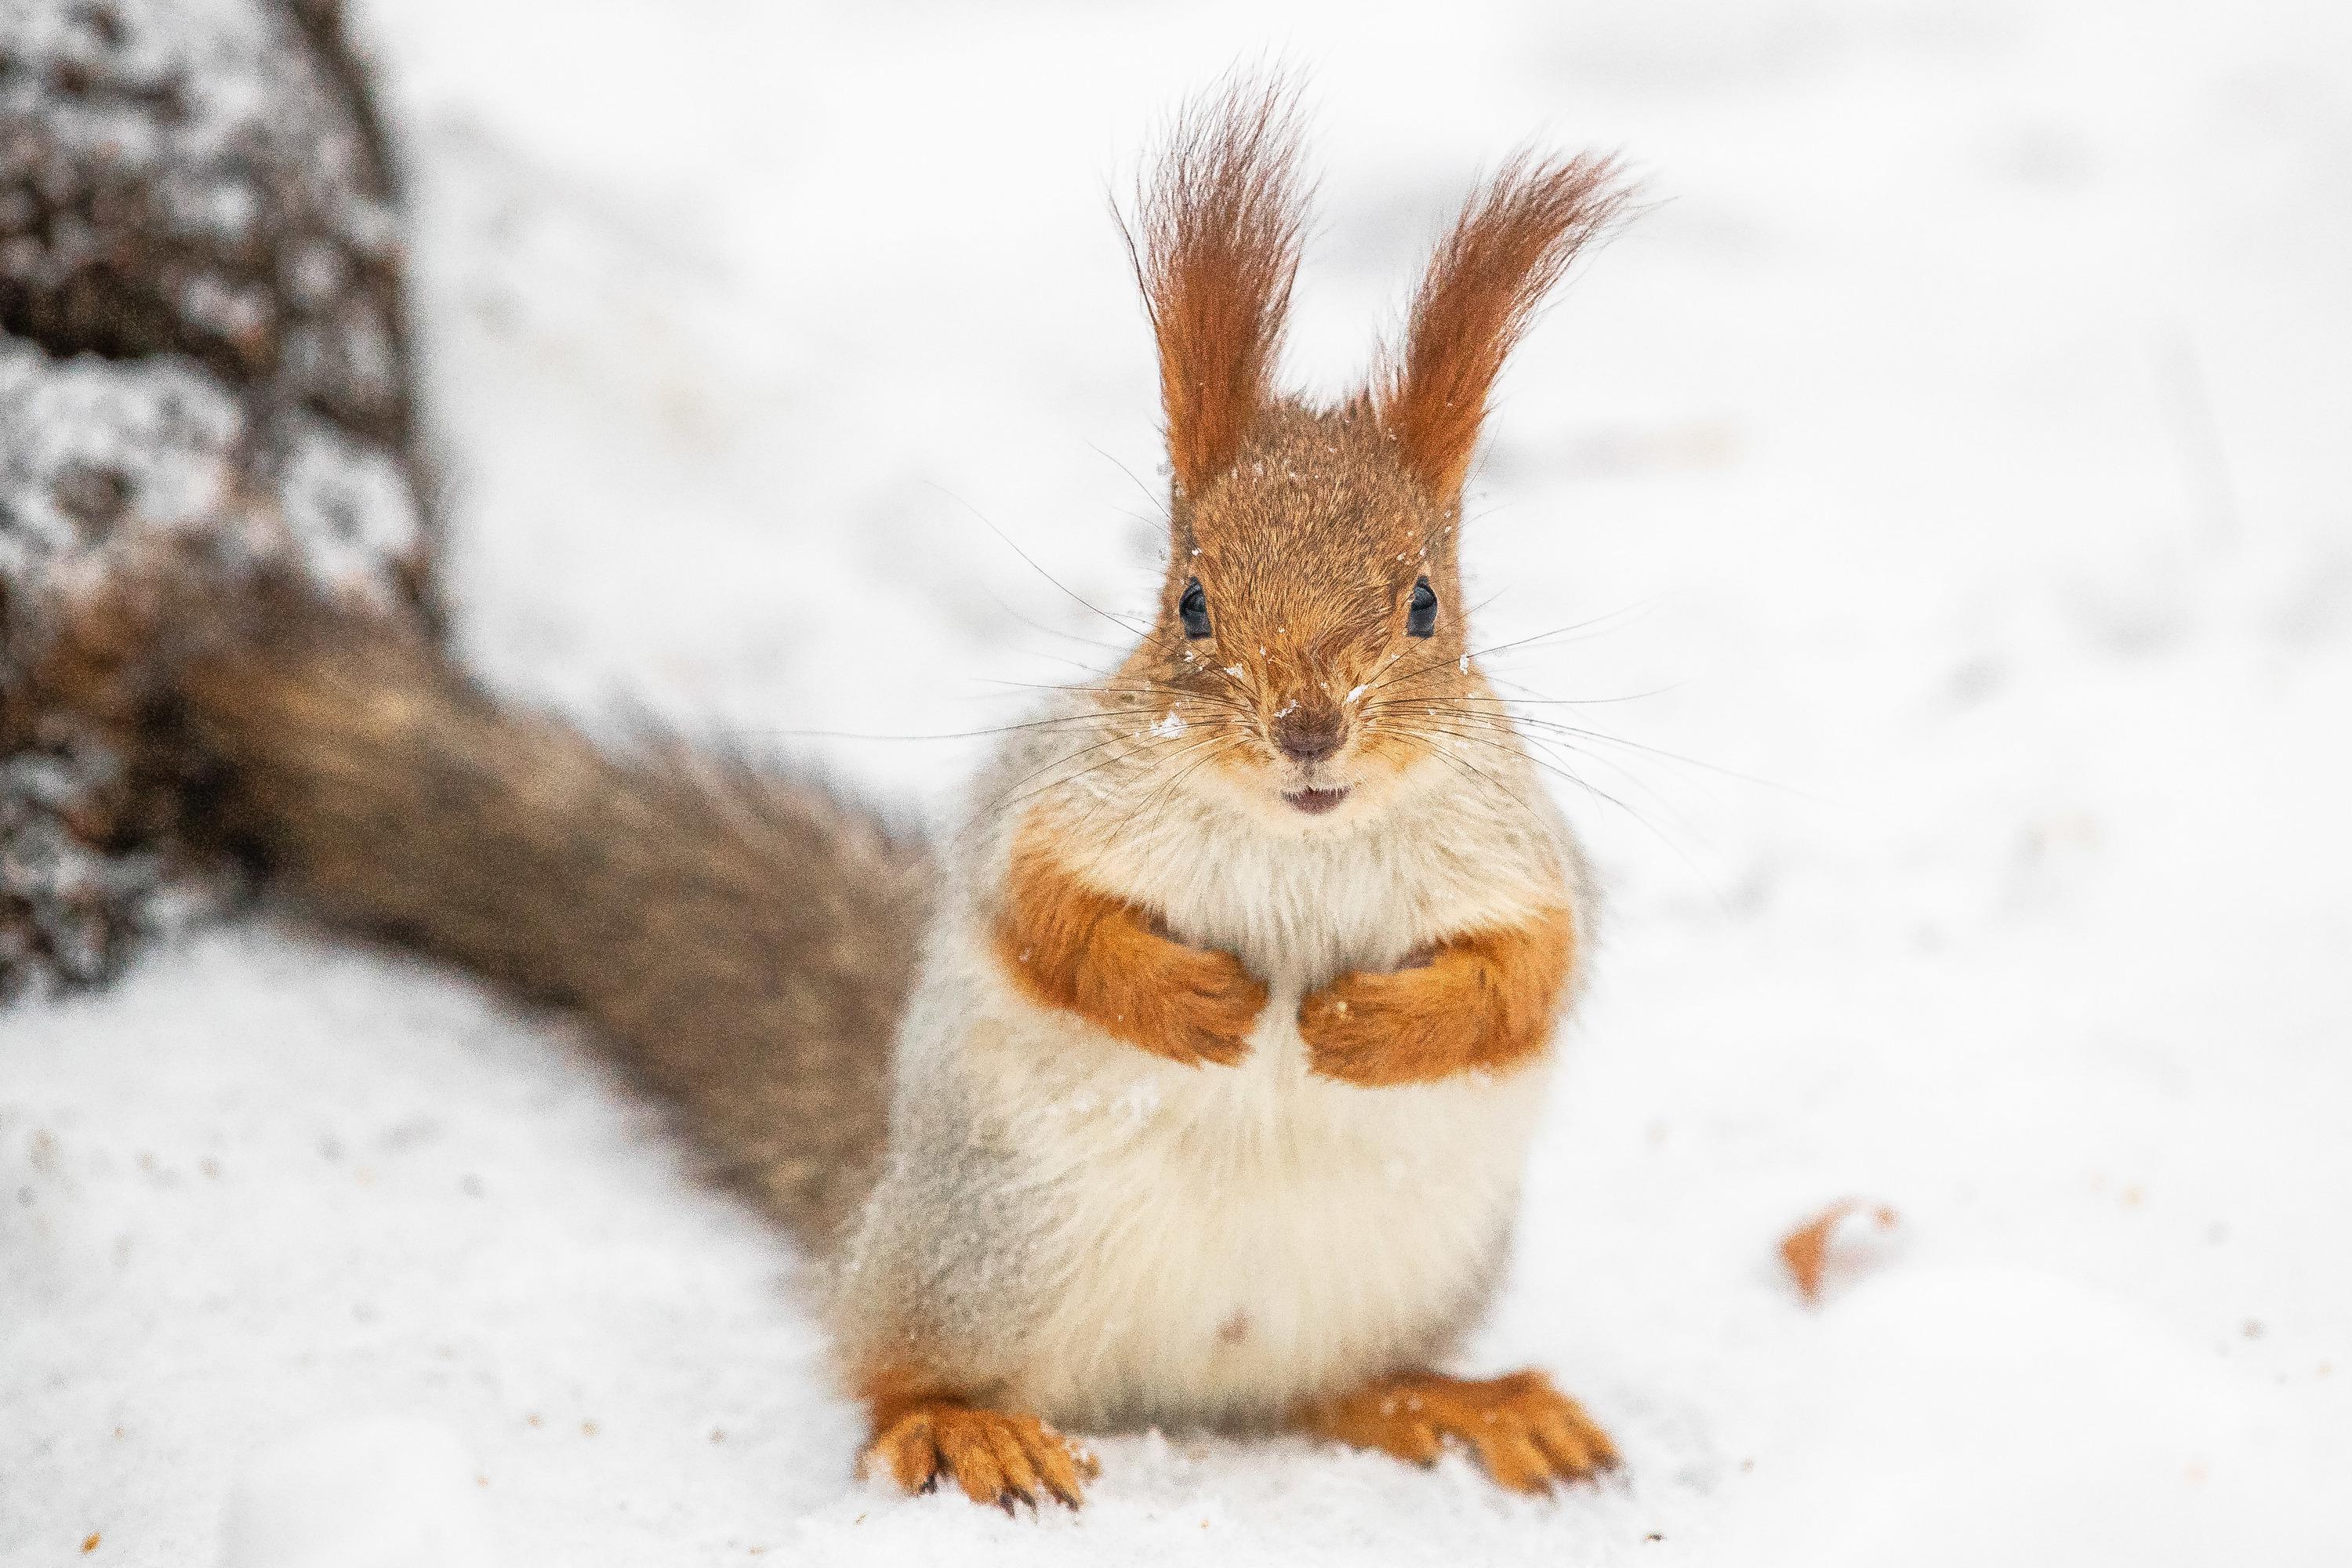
(1537, 723)
(1055, 721)
(1698, 871)
(1146, 631)
(1037, 626)
(1172, 695)
(1460, 764)
(1110, 761)
(1215, 747)
(1136, 738)
(1502, 725)
(1579, 782)
(1538, 638)
(1152, 498)
(1533, 698)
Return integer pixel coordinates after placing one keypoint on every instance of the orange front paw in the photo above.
(1482, 1002)
(1113, 963)
(1377, 1030)
(995, 1458)
(1201, 1004)
(1525, 1432)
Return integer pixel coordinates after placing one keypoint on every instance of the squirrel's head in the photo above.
(1310, 642)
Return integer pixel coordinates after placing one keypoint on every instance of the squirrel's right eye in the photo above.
(1194, 607)
(1420, 614)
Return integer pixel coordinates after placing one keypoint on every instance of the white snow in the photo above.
(1967, 424)
(383, 1493)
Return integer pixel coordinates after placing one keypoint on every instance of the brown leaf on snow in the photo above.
(1809, 1249)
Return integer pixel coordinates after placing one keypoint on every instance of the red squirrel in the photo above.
(1189, 1082)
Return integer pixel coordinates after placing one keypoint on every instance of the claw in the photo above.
(1527, 1433)
(992, 1455)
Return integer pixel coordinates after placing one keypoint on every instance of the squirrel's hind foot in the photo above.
(1527, 1433)
(995, 1457)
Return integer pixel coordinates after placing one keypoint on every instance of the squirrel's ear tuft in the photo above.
(1514, 240)
(1215, 244)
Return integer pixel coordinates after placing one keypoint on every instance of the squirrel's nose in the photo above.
(1309, 734)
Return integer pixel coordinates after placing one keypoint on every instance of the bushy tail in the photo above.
(743, 942)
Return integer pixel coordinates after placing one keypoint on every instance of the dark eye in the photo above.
(1421, 621)
(1194, 607)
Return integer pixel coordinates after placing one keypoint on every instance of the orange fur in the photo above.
(1481, 1002)
(1512, 243)
(1526, 1432)
(1217, 252)
(1069, 946)
(922, 1434)
(1307, 554)
(1307, 529)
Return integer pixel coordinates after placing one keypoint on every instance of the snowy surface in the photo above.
(1957, 455)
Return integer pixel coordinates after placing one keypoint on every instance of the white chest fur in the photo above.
(1218, 1244)
(1225, 1242)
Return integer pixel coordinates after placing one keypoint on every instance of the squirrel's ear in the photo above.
(1514, 240)
(1215, 244)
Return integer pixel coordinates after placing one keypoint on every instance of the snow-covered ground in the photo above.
(1954, 464)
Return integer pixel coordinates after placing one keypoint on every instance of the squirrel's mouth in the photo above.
(1316, 802)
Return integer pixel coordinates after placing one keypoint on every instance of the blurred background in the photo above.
(1933, 521)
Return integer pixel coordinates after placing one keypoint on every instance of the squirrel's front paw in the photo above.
(1203, 1006)
(1377, 1030)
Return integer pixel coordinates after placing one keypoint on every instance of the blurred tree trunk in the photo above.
(203, 340)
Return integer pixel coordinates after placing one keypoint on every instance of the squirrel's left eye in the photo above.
(1194, 607)
(1421, 619)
